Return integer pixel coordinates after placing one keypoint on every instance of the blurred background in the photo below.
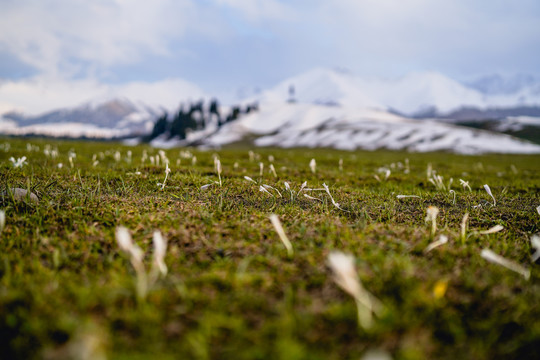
(401, 74)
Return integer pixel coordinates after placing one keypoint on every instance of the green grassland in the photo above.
(232, 291)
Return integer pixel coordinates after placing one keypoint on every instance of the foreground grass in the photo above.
(231, 291)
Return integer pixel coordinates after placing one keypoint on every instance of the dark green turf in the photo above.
(232, 291)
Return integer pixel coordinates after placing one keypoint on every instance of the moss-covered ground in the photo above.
(67, 291)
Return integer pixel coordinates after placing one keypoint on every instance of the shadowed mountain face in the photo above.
(471, 114)
(496, 84)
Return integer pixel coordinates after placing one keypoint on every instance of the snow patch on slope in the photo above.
(70, 130)
(305, 125)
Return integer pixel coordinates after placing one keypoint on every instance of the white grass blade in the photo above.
(250, 179)
(488, 190)
(261, 169)
(346, 277)
(465, 185)
(331, 198)
(453, 193)
(123, 238)
(281, 233)
(311, 197)
(263, 189)
(443, 239)
(463, 226)
(499, 260)
(304, 184)
(273, 188)
(2, 220)
(313, 166)
(535, 244)
(126, 244)
(273, 170)
(287, 186)
(538, 209)
(204, 187)
(160, 250)
(491, 230)
(217, 164)
(167, 171)
(407, 196)
(431, 216)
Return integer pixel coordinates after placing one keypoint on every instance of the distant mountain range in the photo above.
(110, 119)
(325, 100)
(415, 95)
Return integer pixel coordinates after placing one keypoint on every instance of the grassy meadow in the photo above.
(232, 290)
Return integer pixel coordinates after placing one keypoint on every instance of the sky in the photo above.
(71, 49)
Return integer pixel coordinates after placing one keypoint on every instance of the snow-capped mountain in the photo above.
(418, 94)
(320, 86)
(311, 125)
(109, 119)
(421, 92)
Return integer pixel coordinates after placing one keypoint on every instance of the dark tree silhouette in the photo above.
(194, 119)
(214, 110)
(160, 127)
(183, 121)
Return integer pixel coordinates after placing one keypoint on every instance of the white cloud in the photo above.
(256, 10)
(58, 36)
(436, 34)
(70, 37)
